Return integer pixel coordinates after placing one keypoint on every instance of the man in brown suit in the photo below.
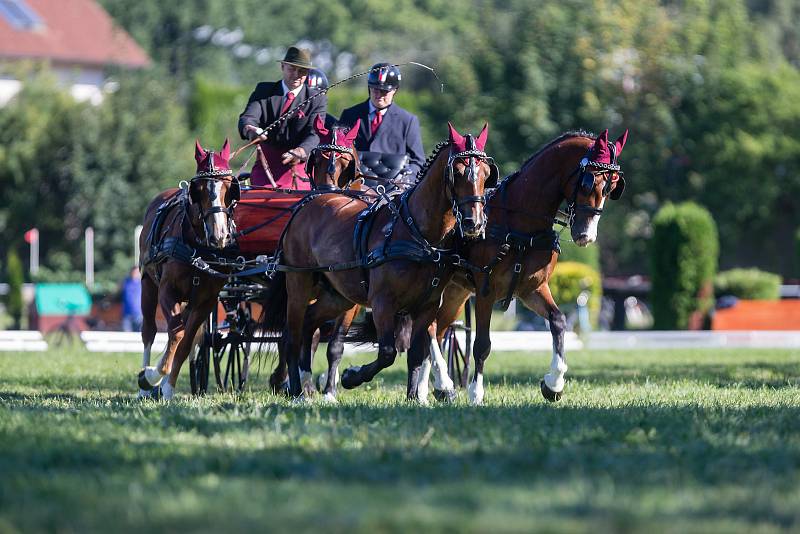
(285, 147)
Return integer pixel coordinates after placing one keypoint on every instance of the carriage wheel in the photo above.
(231, 352)
(199, 367)
(457, 357)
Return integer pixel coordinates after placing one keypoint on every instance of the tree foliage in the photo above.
(708, 88)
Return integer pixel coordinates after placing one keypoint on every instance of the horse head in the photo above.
(598, 176)
(469, 172)
(334, 162)
(213, 194)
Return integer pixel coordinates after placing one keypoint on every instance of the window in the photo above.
(19, 14)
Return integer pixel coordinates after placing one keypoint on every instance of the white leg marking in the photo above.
(146, 356)
(441, 380)
(555, 378)
(167, 391)
(475, 391)
(422, 383)
(153, 375)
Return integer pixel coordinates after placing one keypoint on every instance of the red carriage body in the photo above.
(265, 213)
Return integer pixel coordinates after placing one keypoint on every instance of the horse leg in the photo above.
(384, 317)
(418, 353)
(481, 348)
(327, 306)
(195, 317)
(335, 350)
(149, 329)
(171, 307)
(541, 302)
(298, 288)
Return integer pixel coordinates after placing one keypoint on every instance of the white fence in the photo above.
(22, 340)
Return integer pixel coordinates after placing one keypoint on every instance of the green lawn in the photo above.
(676, 441)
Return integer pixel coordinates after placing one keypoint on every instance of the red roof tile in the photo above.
(73, 32)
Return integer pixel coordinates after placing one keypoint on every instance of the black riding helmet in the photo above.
(316, 79)
(384, 76)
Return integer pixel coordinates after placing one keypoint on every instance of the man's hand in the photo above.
(294, 156)
(254, 131)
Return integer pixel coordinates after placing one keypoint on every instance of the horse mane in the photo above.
(430, 159)
(566, 135)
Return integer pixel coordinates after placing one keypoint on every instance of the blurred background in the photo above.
(101, 101)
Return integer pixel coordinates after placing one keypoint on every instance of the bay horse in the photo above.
(521, 248)
(179, 226)
(342, 251)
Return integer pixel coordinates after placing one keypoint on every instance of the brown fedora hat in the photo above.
(299, 57)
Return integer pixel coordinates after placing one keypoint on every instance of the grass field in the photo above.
(667, 441)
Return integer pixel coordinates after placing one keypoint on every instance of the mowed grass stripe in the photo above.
(684, 440)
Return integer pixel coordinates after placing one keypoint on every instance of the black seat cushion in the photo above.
(381, 165)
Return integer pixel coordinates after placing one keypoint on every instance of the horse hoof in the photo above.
(350, 378)
(445, 395)
(143, 383)
(549, 394)
(283, 388)
(329, 398)
(321, 380)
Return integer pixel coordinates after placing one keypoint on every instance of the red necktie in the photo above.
(288, 103)
(376, 121)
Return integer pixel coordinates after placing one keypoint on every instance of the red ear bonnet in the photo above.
(480, 142)
(456, 139)
(324, 134)
(350, 137)
(199, 154)
(620, 142)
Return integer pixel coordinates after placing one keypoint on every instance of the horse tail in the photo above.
(402, 332)
(273, 304)
(363, 333)
(271, 323)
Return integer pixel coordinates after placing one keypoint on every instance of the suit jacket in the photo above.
(398, 133)
(264, 107)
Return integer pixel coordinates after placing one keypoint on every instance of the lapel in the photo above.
(276, 100)
(366, 127)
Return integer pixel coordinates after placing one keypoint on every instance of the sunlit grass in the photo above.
(684, 440)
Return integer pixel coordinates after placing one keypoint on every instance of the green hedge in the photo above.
(569, 279)
(748, 284)
(16, 277)
(684, 251)
(588, 255)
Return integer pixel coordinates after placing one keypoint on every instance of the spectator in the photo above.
(132, 301)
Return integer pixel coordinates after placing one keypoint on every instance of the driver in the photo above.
(386, 127)
(286, 146)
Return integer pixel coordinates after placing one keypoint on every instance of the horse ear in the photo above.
(226, 150)
(353, 133)
(620, 142)
(481, 139)
(456, 138)
(319, 125)
(199, 153)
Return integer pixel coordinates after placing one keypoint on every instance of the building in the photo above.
(77, 38)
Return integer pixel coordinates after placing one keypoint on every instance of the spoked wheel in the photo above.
(199, 366)
(458, 357)
(231, 351)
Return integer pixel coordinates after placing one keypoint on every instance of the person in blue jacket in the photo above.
(386, 127)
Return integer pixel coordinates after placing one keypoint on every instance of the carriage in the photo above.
(406, 253)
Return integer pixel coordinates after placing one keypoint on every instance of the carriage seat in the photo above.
(380, 167)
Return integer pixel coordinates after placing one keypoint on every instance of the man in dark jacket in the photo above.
(386, 127)
(287, 146)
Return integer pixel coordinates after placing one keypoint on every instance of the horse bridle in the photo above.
(472, 155)
(336, 151)
(215, 175)
(585, 182)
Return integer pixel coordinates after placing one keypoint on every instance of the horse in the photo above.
(342, 251)
(179, 226)
(521, 248)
